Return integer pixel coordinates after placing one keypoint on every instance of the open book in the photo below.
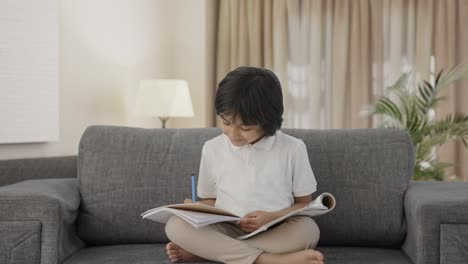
(200, 215)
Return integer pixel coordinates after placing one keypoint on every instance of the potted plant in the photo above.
(412, 109)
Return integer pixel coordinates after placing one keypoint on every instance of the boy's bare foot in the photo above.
(308, 256)
(178, 254)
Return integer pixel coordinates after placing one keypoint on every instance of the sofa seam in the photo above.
(21, 242)
(52, 202)
(23, 237)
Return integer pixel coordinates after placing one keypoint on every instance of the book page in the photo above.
(201, 208)
(195, 218)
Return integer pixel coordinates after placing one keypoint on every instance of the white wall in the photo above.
(107, 46)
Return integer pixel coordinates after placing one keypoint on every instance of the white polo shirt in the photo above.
(264, 176)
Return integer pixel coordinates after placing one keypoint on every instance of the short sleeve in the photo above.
(206, 187)
(304, 182)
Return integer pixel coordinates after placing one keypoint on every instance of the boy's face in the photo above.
(240, 134)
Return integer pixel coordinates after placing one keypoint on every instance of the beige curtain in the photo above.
(334, 56)
(353, 49)
(450, 48)
(252, 33)
(343, 53)
(329, 65)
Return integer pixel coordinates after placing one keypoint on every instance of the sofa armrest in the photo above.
(37, 221)
(16, 170)
(437, 218)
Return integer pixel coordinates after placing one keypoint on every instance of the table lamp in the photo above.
(164, 99)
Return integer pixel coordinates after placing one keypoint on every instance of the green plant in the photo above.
(412, 109)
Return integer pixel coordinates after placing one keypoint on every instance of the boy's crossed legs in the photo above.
(290, 242)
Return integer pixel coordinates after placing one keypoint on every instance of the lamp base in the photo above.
(163, 120)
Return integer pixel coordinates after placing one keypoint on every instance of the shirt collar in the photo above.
(265, 143)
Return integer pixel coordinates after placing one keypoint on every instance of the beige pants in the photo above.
(218, 242)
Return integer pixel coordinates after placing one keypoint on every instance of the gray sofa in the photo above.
(380, 216)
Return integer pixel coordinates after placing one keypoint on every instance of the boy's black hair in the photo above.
(253, 95)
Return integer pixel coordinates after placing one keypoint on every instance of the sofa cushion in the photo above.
(156, 254)
(368, 172)
(123, 254)
(364, 255)
(125, 171)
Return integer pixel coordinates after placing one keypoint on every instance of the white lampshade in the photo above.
(164, 98)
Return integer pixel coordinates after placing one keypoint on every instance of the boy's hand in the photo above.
(188, 201)
(254, 220)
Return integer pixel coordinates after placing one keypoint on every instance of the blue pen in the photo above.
(193, 188)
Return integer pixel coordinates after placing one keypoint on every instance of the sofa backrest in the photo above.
(368, 171)
(124, 171)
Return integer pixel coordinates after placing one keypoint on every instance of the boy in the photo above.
(253, 170)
